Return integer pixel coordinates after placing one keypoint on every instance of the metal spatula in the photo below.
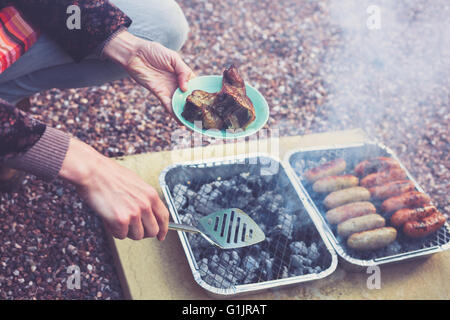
(227, 229)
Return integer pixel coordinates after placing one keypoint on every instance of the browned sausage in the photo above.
(330, 168)
(379, 178)
(423, 227)
(341, 197)
(333, 183)
(400, 217)
(350, 210)
(375, 165)
(372, 239)
(391, 189)
(413, 199)
(358, 224)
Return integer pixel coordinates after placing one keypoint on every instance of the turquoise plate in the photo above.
(214, 84)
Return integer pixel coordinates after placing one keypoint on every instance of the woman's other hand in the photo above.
(155, 67)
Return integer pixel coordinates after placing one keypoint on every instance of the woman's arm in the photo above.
(129, 207)
(100, 20)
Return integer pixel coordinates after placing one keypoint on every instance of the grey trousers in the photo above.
(47, 66)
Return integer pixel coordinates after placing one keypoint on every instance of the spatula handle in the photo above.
(183, 227)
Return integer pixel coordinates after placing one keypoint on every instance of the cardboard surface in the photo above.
(150, 269)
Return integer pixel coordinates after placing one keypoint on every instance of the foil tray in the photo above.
(212, 169)
(353, 154)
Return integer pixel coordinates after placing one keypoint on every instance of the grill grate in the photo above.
(303, 160)
(270, 200)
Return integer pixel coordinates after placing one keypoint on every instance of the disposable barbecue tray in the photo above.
(295, 249)
(298, 161)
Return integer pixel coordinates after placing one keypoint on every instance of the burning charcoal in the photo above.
(273, 207)
(309, 270)
(243, 177)
(235, 259)
(255, 250)
(393, 248)
(197, 255)
(206, 200)
(278, 199)
(227, 258)
(198, 243)
(255, 183)
(239, 274)
(179, 189)
(264, 255)
(217, 281)
(230, 275)
(226, 186)
(216, 184)
(191, 210)
(213, 264)
(298, 261)
(244, 190)
(179, 202)
(209, 251)
(249, 278)
(313, 252)
(317, 269)
(268, 268)
(178, 195)
(264, 199)
(190, 195)
(285, 226)
(250, 264)
(203, 267)
(284, 273)
(299, 247)
(222, 270)
(187, 219)
(242, 201)
(302, 221)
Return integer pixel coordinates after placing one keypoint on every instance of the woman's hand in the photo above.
(128, 206)
(150, 64)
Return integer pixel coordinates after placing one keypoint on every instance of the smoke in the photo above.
(392, 78)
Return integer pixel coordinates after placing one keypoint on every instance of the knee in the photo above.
(156, 20)
(176, 27)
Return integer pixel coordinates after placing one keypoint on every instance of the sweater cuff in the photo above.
(101, 47)
(46, 157)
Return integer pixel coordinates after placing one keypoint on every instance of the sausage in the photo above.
(340, 197)
(333, 183)
(375, 165)
(379, 178)
(413, 199)
(350, 210)
(424, 227)
(391, 189)
(329, 168)
(400, 217)
(372, 239)
(358, 224)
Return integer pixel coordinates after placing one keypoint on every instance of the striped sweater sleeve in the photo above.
(29, 145)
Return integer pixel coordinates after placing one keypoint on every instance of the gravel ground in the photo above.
(320, 69)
